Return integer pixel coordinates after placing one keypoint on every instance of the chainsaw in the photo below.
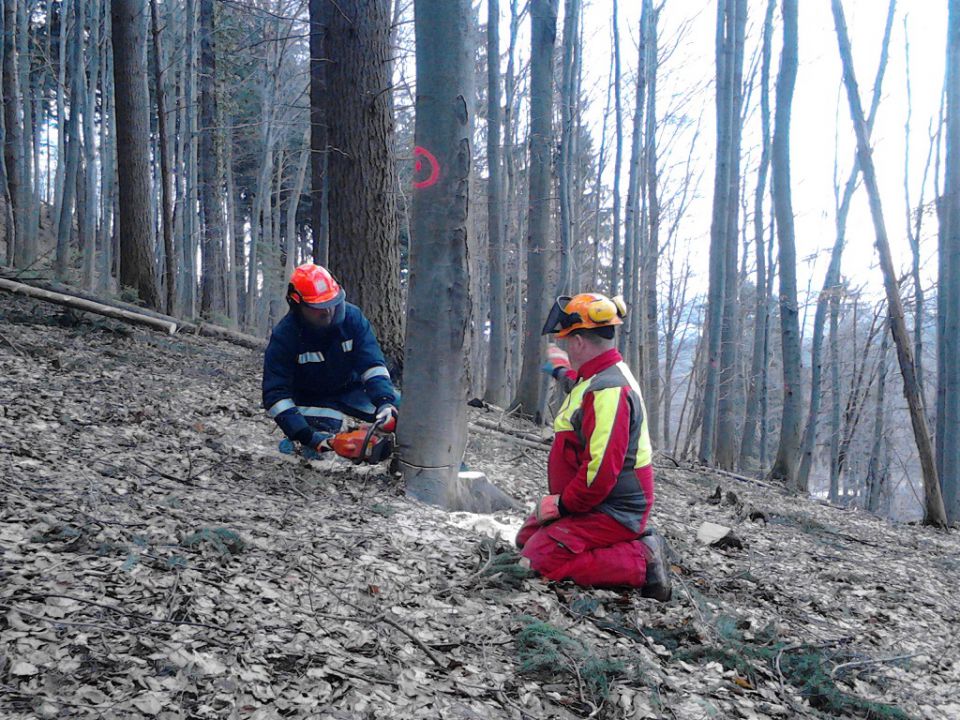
(368, 443)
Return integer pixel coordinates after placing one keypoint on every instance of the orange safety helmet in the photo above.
(314, 286)
(583, 311)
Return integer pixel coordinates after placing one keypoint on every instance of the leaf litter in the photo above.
(160, 559)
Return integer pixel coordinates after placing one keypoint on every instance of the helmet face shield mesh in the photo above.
(557, 318)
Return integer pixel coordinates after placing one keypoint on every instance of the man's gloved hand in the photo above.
(319, 441)
(387, 415)
(548, 509)
(557, 361)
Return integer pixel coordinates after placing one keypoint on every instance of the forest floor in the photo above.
(159, 558)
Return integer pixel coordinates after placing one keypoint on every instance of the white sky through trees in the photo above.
(820, 117)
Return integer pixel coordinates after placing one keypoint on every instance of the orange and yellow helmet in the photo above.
(583, 311)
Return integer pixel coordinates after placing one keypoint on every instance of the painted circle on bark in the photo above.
(431, 179)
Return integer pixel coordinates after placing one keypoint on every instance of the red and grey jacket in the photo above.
(601, 442)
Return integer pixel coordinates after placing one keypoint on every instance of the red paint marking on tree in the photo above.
(434, 168)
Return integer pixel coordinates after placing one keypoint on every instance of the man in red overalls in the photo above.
(591, 527)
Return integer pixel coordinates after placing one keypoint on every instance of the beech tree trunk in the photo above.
(72, 130)
(948, 338)
(318, 134)
(618, 156)
(785, 464)
(21, 253)
(433, 424)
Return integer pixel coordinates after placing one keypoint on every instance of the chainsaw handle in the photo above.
(377, 422)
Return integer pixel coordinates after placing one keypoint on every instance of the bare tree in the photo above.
(496, 385)
(934, 512)
(760, 316)
(785, 465)
(166, 199)
(21, 253)
(618, 154)
(72, 130)
(212, 293)
(543, 39)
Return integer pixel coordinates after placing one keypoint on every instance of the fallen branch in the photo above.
(80, 300)
(87, 306)
(507, 430)
(543, 447)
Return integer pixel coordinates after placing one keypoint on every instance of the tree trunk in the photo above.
(877, 473)
(108, 156)
(133, 149)
(568, 100)
(718, 225)
(748, 437)
(72, 130)
(496, 385)
(618, 156)
(948, 339)
(834, 491)
(934, 513)
(90, 148)
(785, 464)
(318, 134)
(13, 140)
(726, 438)
(543, 37)
(432, 429)
(832, 279)
(364, 226)
(651, 255)
(166, 199)
(188, 133)
(212, 297)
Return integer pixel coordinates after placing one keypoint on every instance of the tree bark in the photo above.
(877, 473)
(318, 134)
(543, 38)
(212, 296)
(133, 149)
(13, 140)
(948, 339)
(651, 254)
(785, 464)
(90, 147)
(364, 226)
(726, 438)
(618, 156)
(758, 361)
(432, 428)
(72, 130)
(166, 199)
(934, 512)
(496, 385)
(565, 162)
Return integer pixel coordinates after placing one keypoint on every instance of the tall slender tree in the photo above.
(318, 135)
(212, 294)
(615, 268)
(21, 254)
(788, 448)
(128, 19)
(496, 385)
(543, 33)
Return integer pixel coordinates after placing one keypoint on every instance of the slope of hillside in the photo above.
(158, 558)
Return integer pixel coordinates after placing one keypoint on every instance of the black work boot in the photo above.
(657, 585)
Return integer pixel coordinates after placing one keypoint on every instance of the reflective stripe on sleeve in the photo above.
(281, 406)
(606, 402)
(375, 371)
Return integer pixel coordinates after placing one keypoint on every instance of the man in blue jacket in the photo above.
(324, 363)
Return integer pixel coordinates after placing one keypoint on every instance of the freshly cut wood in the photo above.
(87, 306)
(119, 310)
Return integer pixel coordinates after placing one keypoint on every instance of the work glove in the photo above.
(548, 509)
(319, 442)
(387, 415)
(557, 362)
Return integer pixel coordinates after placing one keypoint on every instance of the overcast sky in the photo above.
(815, 114)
